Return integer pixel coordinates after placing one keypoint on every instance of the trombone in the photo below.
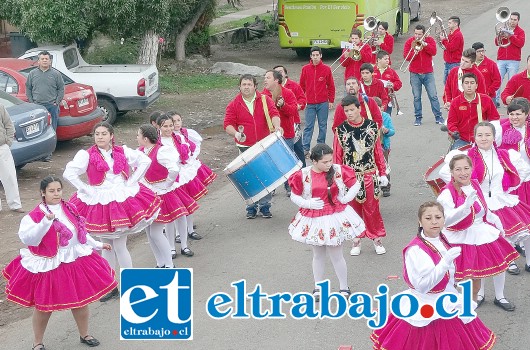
(417, 45)
(440, 30)
(394, 100)
(502, 28)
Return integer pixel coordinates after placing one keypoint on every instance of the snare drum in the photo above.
(432, 177)
(262, 168)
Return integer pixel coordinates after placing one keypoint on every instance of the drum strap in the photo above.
(266, 111)
(479, 109)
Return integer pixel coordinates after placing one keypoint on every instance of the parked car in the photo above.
(34, 136)
(415, 10)
(119, 88)
(78, 111)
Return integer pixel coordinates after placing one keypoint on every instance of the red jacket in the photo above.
(451, 85)
(491, 74)
(353, 68)
(390, 75)
(317, 83)
(422, 63)
(298, 92)
(512, 51)
(387, 45)
(287, 111)
(518, 85)
(377, 88)
(339, 117)
(463, 115)
(255, 126)
(454, 46)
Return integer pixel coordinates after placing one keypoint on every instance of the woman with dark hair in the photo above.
(160, 178)
(113, 201)
(59, 269)
(428, 269)
(325, 220)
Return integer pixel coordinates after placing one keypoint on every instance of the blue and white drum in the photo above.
(262, 168)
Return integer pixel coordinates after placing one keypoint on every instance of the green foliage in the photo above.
(115, 54)
(198, 42)
(184, 82)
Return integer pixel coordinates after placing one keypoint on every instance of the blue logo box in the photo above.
(156, 304)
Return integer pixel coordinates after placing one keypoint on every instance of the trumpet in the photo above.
(502, 27)
(394, 101)
(440, 31)
(417, 45)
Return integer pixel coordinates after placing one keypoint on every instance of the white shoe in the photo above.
(379, 249)
(355, 250)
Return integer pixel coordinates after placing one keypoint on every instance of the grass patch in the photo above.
(195, 82)
(225, 10)
(214, 29)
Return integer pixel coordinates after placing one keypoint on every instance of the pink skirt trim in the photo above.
(480, 261)
(106, 218)
(69, 286)
(195, 189)
(175, 204)
(440, 334)
(205, 174)
(523, 192)
(514, 219)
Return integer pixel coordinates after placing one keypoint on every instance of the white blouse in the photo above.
(189, 170)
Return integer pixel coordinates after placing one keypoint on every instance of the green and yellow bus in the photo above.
(306, 23)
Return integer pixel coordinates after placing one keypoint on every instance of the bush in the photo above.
(116, 53)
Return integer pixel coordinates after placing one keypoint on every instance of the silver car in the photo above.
(34, 136)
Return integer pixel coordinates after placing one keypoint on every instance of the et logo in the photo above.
(156, 304)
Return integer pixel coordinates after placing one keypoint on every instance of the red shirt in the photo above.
(255, 125)
(287, 111)
(339, 117)
(518, 85)
(451, 85)
(454, 45)
(463, 115)
(377, 88)
(512, 51)
(422, 63)
(353, 68)
(387, 45)
(298, 92)
(317, 83)
(390, 75)
(491, 74)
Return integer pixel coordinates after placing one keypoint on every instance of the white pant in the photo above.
(8, 177)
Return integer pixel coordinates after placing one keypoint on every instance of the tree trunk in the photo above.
(149, 48)
(180, 41)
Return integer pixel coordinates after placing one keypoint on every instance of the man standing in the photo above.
(317, 82)
(454, 45)
(352, 63)
(518, 85)
(467, 110)
(249, 118)
(385, 42)
(357, 144)
(371, 86)
(388, 76)
(8, 174)
(509, 51)
(489, 70)
(421, 72)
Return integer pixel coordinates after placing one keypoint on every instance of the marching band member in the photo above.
(429, 270)
(517, 86)
(453, 85)
(509, 57)
(369, 108)
(248, 111)
(489, 70)
(356, 144)
(352, 64)
(113, 202)
(466, 110)
(325, 220)
(373, 86)
(454, 45)
(385, 42)
(421, 72)
(470, 225)
(59, 269)
(387, 75)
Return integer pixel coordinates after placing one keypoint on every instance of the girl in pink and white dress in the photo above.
(323, 191)
(113, 202)
(428, 269)
(59, 269)
(160, 178)
(192, 165)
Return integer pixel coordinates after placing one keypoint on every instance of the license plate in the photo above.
(82, 102)
(33, 128)
(320, 42)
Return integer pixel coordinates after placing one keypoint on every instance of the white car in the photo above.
(119, 88)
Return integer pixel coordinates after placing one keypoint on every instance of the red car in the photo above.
(78, 111)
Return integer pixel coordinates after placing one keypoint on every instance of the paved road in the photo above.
(261, 251)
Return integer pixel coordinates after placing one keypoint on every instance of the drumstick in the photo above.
(516, 91)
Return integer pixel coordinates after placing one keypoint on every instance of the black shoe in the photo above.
(480, 300)
(386, 193)
(527, 268)
(316, 295)
(505, 305)
(345, 292)
(90, 342)
(177, 239)
(520, 250)
(173, 253)
(194, 235)
(187, 252)
(111, 295)
(513, 269)
(251, 214)
(39, 346)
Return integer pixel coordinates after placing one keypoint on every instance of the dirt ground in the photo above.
(203, 112)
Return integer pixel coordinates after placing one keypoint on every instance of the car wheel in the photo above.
(418, 14)
(108, 109)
